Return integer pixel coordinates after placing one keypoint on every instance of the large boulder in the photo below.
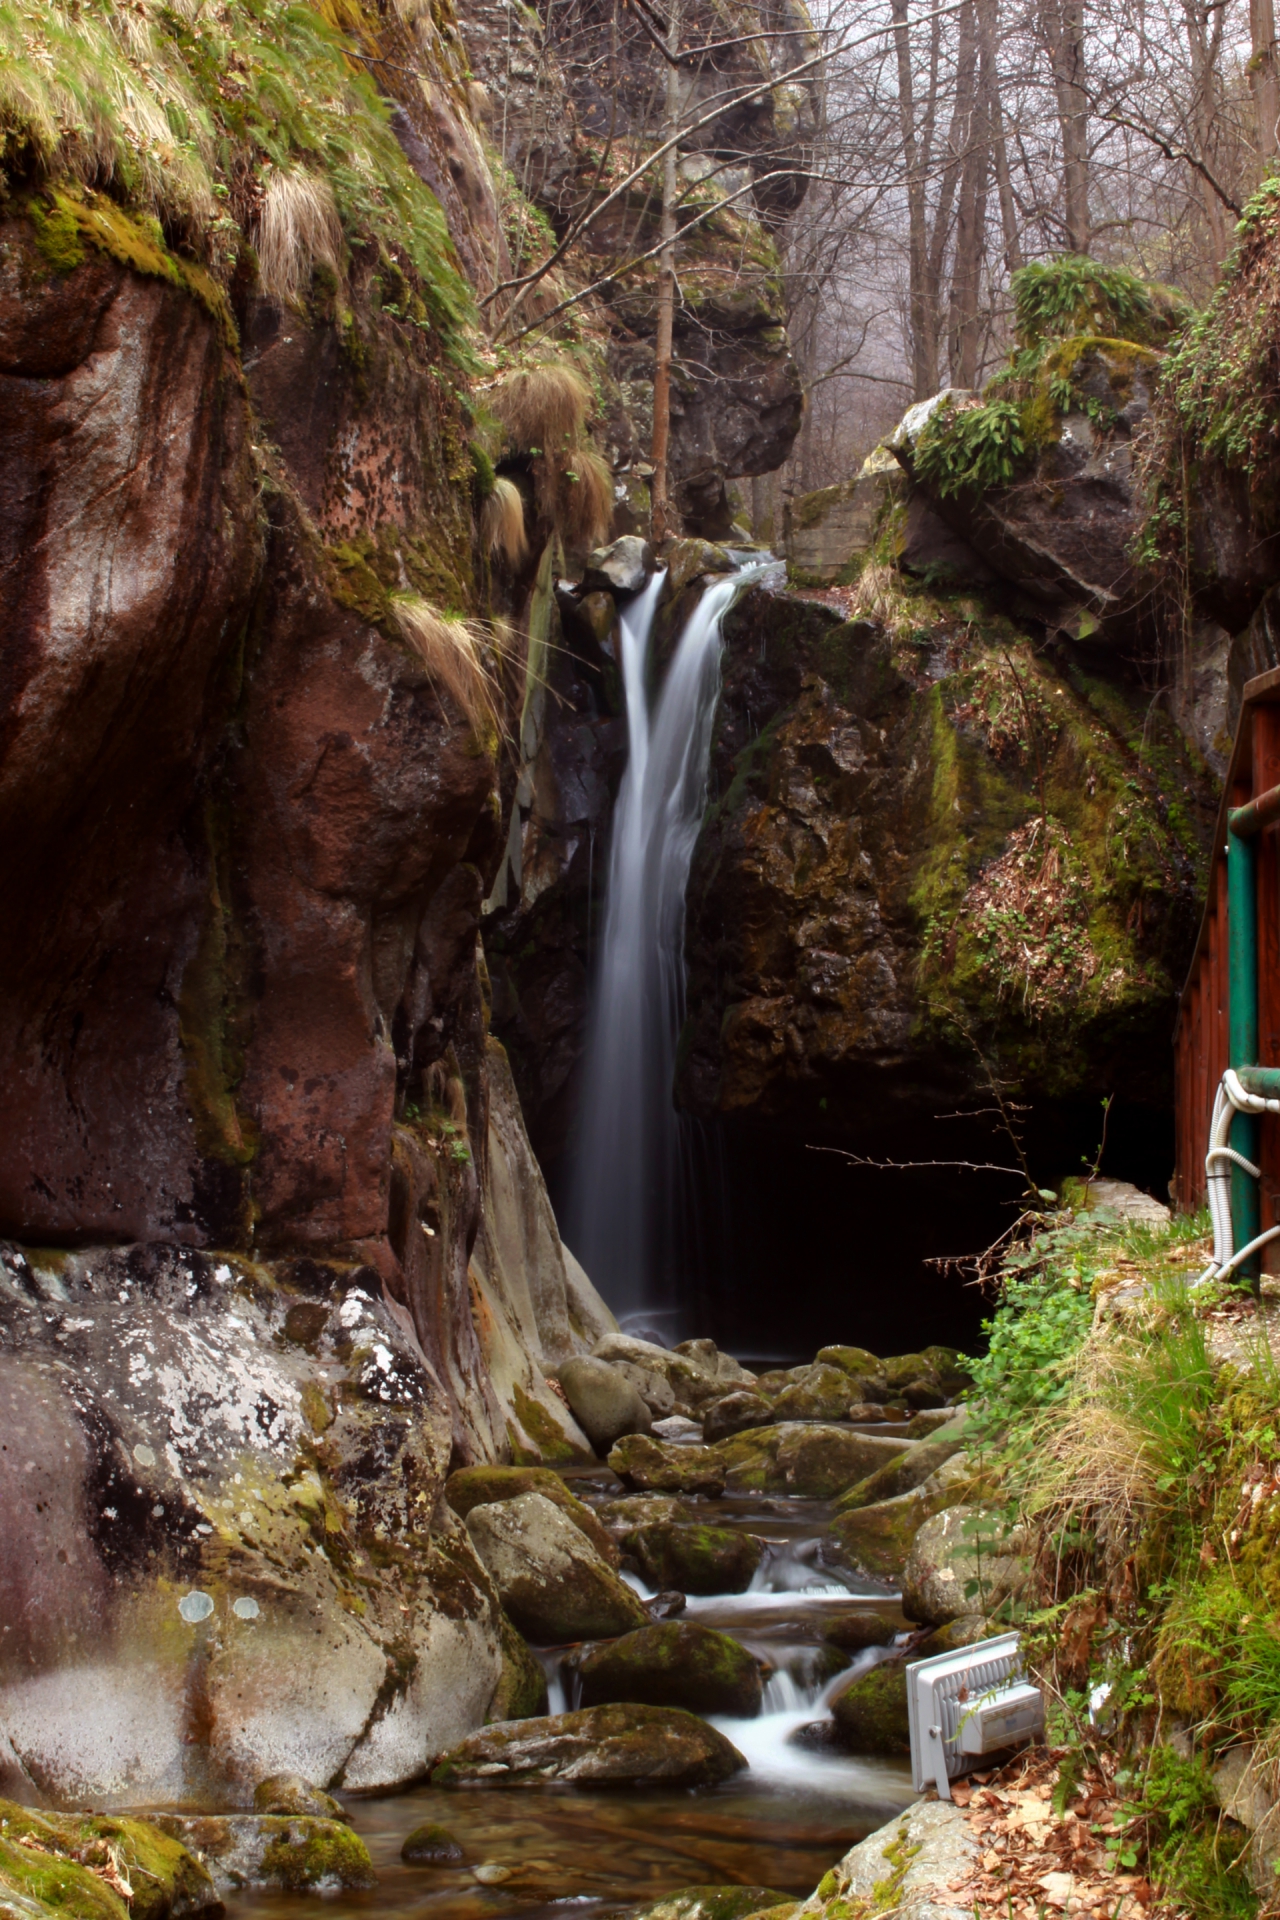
(553, 1583)
(870, 1712)
(694, 1559)
(824, 1393)
(622, 567)
(605, 1403)
(695, 1372)
(876, 1541)
(962, 1561)
(734, 1414)
(824, 532)
(919, 1854)
(653, 1467)
(610, 1746)
(817, 1460)
(909, 1470)
(675, 1664)
(470, 1487)
(861, 1366)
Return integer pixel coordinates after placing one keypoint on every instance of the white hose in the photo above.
(1229, 1100)
(1271, 1233)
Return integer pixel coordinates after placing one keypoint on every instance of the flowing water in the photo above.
(625, 1197)
(780, 1823)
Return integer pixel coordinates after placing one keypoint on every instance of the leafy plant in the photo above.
(1053, 299)
(971, 449)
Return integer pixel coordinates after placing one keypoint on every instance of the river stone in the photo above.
(621, 567)
(858, 1629)
(48, 1875)
(431, 1845)
(910, 1470)
(696, 1559)
(816, 1460)
(652, 1466)
(619, 1745)
(482, 1486)
(521, 1692)
(860, 1365)
(954, 1369)
(877, 1540)
(921, 1854)
(734, 1414)
(716, 1903)
(657, 1392)
(552, 1582)
(944, 1565)
(691, 1381)
(721, 1366)
(964, 1632)
(870, 1713)
(825, 1393)
(244, 1851)
(901, 1369)
(639, 1510)
(928, 1422)
(603, 1401)
(290, 1793)
(677, 1664)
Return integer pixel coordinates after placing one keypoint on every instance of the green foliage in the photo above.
(1043, 1317)
(1186, 1849)
(1055, 299)
(971, 449)
(189, 112)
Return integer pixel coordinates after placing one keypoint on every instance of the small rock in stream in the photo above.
(735, 1414)
(676, 1664)
(665, 1606)
(552, 1582)
(431, 1846)
(247, 1850)
(611, 1746)
(870, 1713)
(701, 1560)
(289, 1793)
(860, 1628)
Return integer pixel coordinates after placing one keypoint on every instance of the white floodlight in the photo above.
(966, 1705)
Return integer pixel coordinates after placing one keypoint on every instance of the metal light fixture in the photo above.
(967, 1705)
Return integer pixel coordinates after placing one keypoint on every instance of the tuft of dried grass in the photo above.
(297, 230)
(502, 522)
(875, 594)
(453, 650)
(583, 509)
(544, 405)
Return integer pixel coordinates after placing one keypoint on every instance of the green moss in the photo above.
(550, 1438)
(871, 1712)
(302, 1855)
(1076, 295)
(70, 1861)
(522, 1688)
(67, 221)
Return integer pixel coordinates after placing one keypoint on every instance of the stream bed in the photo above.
(781, 1823)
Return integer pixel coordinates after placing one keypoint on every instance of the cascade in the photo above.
(628, 1164)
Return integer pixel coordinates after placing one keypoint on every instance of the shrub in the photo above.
(452, 650)
(971, 449)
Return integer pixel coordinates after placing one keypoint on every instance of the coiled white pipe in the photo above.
(1230, 1099)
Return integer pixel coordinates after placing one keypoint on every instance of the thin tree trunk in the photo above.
(1205, 43)
(661, 520)
(1064, 27)
(1264, 78)
(994, 113)
(964, 333)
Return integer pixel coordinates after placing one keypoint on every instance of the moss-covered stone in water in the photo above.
(110, 1853)
(715, 1903)
(858, 1629)
(903, 1475)
(521, 1692)
(674, 1664)
(871, 1712)
(695, 1559)
(470, 1487)
(304, 1856)
(876, 1540)
(431, 1846)
(54, 1885)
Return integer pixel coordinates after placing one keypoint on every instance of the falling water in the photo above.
(629, 1157)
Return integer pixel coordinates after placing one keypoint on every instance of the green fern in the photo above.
(971, 450)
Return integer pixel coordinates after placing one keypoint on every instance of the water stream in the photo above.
(625, 1195)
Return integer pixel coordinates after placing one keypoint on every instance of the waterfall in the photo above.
(627, 1174)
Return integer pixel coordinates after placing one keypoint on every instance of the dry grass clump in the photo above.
(297, 230)
(502, 527)
(583, 503)
(453, 650)
(542, 407)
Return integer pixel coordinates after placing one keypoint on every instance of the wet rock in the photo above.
(964, 1632)
(825, 1393)
(289, 1793)
(716, 1903)
(870, 1713)
(735, 1414)
(923, 1424)
(665, 1606)
(640, 1510)
(814, 1460)
(678, 1426)
(300, 1855)
(676, 1664)
(552, 1582)
(651, 1466)
(521, 1692)
(622, 567)
(826, 530)
(910, 1470)
(877, 1540)
(605, 1403)
(695, 1559)
(902, 1370)
(432, 1846)
(91, 1866)
(859, 1365)
(656, 1392)
(618, 1745)
(858, 1629)
(691, 1381)
(960, 1561)
(721, 1366)
(472, 1487)
(686, 559)
(952, 1368)
(921, 1854)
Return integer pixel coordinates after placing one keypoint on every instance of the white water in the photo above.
(628, 1161)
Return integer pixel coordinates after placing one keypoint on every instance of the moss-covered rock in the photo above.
(675, 1664)
(431, 1845)
(470, 1487)
(876, 1540)
(825, 1393)
(522, 1690)
(693, 1558)
(650, 1465)
(962, 1560)
(289, 1793)
(870, 1713)
(735, 1414)
(860, 1365)
(90, 1865)
(815, 1459)
(716, 1903)
(299, 1855)
(611, 1746)
(858, 1629)
(902, 1475)
(552, 1582)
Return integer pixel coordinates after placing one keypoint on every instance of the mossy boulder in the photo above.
(902, 1475)
(912, 1378)
(300, 1855)
(552, 1582)
(858, 1629)
(431, 1845)
(289, 1793)
(860, 1365)
(870, 1713)
(99, 1866)
(652, 1466)
(472, 1487)
(734, 1414)
(876, 1541)
(640, 1510)
(605, 1403)
(964, 1632)
(522, 1689)
(674, 1664)
(695, 1559)
(825, 1393)
(715, 1903)
(620, 1745)
(961, 1562)
(817, 1460)
(953, 1368)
